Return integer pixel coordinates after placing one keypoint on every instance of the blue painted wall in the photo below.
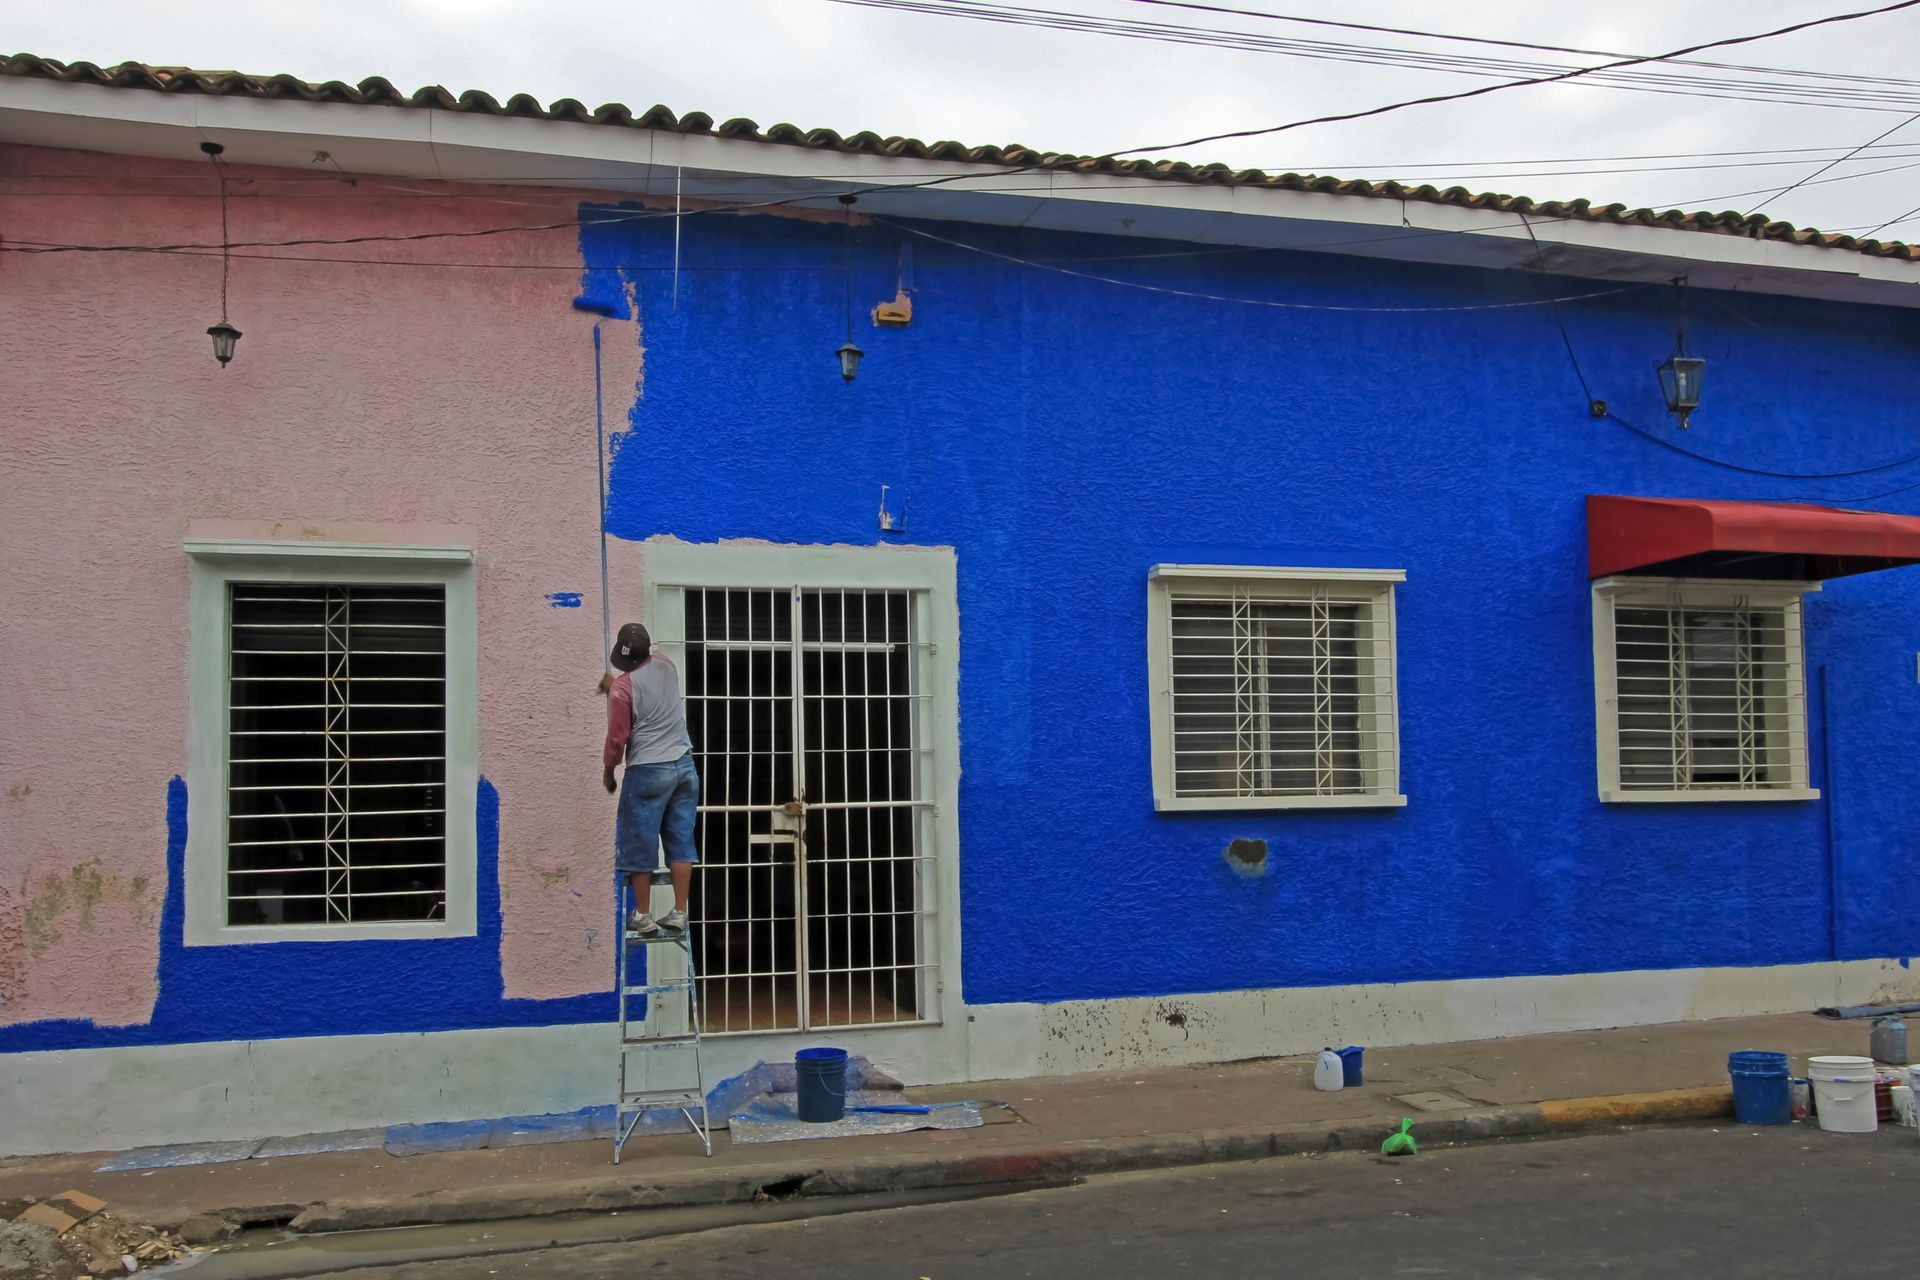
(1065, 434)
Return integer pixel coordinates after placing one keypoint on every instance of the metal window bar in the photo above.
(286, 770)
(1709, 697)
(1281, 694)
(812, 906)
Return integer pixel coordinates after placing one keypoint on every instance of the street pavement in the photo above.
(1696, 1201)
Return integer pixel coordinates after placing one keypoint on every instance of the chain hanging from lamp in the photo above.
(224, 335)
(848, 353)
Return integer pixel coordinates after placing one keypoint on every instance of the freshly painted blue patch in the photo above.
(452, 1135)
(567, 1126)
(564, 599)
(1065, 435)
(263, 991)
(312, 1144)
(181, 1155)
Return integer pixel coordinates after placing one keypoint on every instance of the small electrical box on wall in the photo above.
(897, 314)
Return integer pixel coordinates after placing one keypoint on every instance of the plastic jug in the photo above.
(1890, 1041)
(1329, 1073)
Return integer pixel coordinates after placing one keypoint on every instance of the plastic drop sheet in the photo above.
(771, 1118)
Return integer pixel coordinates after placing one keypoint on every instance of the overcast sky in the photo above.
(820, 64)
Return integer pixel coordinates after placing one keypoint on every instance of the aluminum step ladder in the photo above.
(668, 1029)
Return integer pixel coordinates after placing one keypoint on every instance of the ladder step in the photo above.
(658, 1042)
(644, 1101)
(670, 987)
(648, 939)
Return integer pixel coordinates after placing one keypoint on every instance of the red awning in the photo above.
(1688, 537)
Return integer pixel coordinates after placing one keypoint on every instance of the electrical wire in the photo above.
(1857, 501)
(374, 191)
(1611, 74)
(1483, 90)
(1785, 191)
(1892, 222)
(534, 181)
(1665, 443)
(1536, 219)
(1251, 302)
(1504, 44)
(1049, 164)
(1539, 261)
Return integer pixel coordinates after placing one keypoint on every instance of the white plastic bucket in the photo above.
(1843, 1093)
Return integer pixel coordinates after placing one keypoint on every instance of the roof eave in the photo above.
(469, 145)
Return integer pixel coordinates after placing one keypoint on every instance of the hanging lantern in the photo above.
(849, 359)
(848, 353)
(224, 336)
(1681, 373)
(1680, 377)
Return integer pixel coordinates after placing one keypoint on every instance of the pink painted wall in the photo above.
(362, 395)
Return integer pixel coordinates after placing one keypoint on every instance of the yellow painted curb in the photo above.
(1639, 1108)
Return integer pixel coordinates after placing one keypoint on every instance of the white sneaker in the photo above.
(641, 923)
(674, 921)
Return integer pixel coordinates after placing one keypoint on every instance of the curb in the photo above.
(1037, 1166)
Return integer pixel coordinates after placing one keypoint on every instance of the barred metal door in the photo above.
(812, 905)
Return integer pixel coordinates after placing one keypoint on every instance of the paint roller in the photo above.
(600, 311)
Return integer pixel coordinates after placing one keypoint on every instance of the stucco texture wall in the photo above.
(363, 399)
(1064, 435)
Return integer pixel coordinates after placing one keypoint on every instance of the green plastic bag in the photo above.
(1401, 1143)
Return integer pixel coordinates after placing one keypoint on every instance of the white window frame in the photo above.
(1609, 594)
(214, 564)
(935, 1048)
(1374, 586)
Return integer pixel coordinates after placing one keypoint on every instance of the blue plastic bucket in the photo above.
(1350, 1067)
(1762, 1092)
(820, 1079)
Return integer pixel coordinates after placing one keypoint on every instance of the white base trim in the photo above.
(112, 1099)
(1014, 1040)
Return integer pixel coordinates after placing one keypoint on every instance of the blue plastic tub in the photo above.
(1350, 1066)
(820, 1080)
(1762, 1092)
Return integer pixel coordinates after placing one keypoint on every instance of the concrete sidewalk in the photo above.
(1056, 1129)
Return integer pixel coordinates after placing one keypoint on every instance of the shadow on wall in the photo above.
(259, 991)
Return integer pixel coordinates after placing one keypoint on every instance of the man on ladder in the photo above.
(647, 726)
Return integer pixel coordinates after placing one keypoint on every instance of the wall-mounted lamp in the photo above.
(1681, 373)
(224, 335)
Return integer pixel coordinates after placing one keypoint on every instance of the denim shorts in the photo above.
(657, 807)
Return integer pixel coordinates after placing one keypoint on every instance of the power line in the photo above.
(1506, 44)
(1785, 191)
(1483, 90)
(1892, 222)
(1877, 95)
